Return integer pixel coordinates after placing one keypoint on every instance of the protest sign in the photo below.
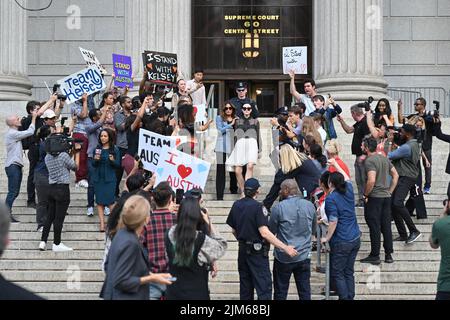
(295, 58)
(200, 113)
(151, 145)
(181, 170)
(123, 69)
(88, 81)
(92, 60)
(162, 67)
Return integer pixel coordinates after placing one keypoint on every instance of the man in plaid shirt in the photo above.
(161, 220)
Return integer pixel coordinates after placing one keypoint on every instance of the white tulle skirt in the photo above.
(245, 151)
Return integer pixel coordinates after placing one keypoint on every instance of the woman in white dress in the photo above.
(248, 146)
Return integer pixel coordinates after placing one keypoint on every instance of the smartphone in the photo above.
(173, 279)
(179, 196)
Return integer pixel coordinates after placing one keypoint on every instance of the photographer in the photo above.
(106, 161)
(440, 237)
(420, 107)
(59, 165)
(405, 160)
(81, 111)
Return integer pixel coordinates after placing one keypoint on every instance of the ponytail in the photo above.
(339, 183)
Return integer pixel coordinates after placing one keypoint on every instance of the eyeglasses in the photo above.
(246, 109)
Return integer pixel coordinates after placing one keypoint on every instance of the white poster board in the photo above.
(151, 145)
(200, 113)
(88, 81)
(295, 58)
(92, 60)
(181, 170)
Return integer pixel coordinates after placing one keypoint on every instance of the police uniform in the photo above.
(246, 217)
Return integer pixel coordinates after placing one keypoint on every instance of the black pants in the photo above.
(220, 176)
(119, 171)
(43, 191)
(416, 201)
(428, 171)
(399, 212)
(254, 273)
(378, 217)
(282, 274)
(443, 296)
(58, 203)
(33, 157)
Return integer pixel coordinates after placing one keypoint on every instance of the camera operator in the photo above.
(32, 144)
(59, 166)
(161, 124)
(420, 107)
(440, 237)
(405, 160)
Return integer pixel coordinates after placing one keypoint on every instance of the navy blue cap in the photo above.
(283, 111)
(241, 85)
(252, 184)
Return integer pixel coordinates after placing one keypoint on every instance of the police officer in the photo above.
(249, 222)
(241, 99)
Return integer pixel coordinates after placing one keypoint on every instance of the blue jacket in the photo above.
(224, 136)
(105, 169)
(329, 114)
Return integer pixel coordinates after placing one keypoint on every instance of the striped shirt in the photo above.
(59, 168)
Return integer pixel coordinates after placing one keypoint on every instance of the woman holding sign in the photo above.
(106, 161)
(248, 146)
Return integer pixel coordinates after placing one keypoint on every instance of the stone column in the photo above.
(348, 48)
(14, 83)
(158, 25)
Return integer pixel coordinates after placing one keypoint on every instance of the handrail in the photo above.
(410, 94)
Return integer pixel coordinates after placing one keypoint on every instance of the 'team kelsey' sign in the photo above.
(88, 81)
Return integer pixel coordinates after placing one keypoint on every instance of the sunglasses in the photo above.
(247, 109)
(228, 108)
(241, 90)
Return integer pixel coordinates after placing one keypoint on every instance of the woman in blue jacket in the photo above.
(224, 145)
(106, 161)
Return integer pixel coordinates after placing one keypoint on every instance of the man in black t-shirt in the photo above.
(360, 129)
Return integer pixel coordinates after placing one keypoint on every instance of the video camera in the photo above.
(59, 143)
(147, 174)
(438, 106)
(367, 104)
(56, 89)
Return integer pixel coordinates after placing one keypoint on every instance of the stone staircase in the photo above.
(55, 276)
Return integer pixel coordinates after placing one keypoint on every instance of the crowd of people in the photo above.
(161, 246)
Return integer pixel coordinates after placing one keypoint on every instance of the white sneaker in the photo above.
(61, 248)
(42, 246)
(83, 184)
(107, 212)
(90, 212)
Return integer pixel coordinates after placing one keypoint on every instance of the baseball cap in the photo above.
(283, 111)
(252, 184)
(241, 85)
(48, 114)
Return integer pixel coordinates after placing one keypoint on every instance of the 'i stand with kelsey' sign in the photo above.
(181, 170)
(296, 59)
(88, 81)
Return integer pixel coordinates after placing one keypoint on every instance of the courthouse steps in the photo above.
(412, 276)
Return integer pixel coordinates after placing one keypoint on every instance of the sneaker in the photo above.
(388, 258)
(14, 220)
(90, 212)
(360, 204)
(402, 239)
(40, 229)
(427, 190)
(42, 246)
(372, 260)
(413, 237)
(82, 184)
(61, 248)
(31, 205)
(107, 212)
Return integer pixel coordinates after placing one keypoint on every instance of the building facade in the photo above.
(356, 48)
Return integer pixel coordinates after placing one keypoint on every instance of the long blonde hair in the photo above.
(290, 159)
(309, 128)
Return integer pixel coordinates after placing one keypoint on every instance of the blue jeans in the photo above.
(157, 291)
(342, 261)
(14, 174)
(282, 275)
(90, 190)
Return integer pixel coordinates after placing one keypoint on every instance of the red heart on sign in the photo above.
(195, 111)
(178, 142)
(174, 69)
(184, 172)
(150, 66)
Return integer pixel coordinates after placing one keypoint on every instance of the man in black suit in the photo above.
(241, 99)
(8, 290)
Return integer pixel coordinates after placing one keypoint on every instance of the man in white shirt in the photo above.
(196, 89)
(14, 156)
(309, 86)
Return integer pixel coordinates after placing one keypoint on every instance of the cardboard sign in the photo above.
(123, 69)
(200, 113)
(88, 81)
(295, 58)
(92, 60)
(151, 145)
(162, 67)
(181, 170)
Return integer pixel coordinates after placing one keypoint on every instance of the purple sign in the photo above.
(123, 70)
